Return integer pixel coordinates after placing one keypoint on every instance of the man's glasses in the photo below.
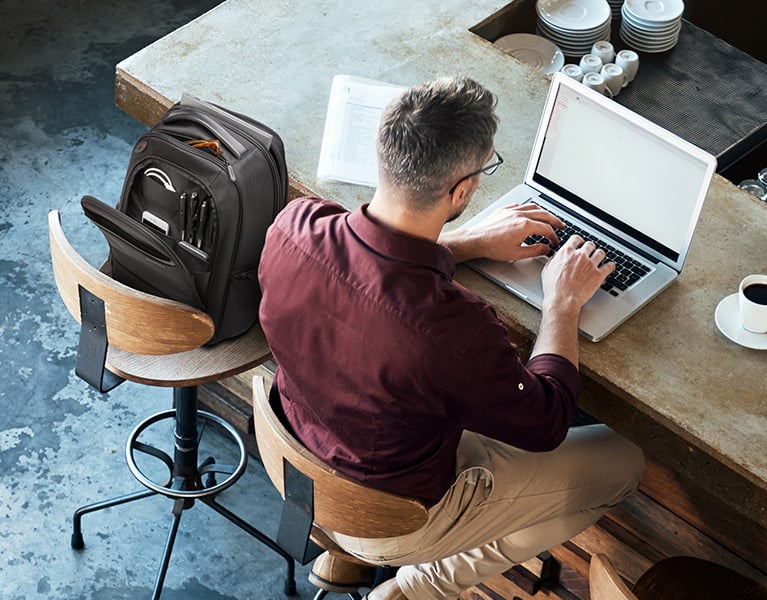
(490, 168)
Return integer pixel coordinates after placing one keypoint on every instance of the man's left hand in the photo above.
(502, 234)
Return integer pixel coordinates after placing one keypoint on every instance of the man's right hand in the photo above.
(570, 279)
(574, 273)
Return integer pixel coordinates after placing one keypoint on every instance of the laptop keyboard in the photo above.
(628, 271)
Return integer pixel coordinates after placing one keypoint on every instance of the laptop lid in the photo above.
(619, 171)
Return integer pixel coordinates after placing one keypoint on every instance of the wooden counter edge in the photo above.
(139, 100)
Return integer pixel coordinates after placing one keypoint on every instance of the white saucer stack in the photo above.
(573, 25)
(615, 8)
(651, 26)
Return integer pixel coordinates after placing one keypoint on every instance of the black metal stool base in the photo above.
(351, 595)
(187, 480)
(381, 574)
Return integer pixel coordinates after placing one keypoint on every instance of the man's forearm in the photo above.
(558, 332)
(462, 245)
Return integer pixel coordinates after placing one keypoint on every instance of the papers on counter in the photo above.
(348, 151)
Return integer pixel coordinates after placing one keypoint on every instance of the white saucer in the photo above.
(533, 50)
(574, 14)
(644, 45)
(655, 11)
(728, 321)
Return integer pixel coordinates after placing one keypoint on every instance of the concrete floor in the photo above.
(61, 443)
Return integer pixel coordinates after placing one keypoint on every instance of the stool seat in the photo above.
(193, 367)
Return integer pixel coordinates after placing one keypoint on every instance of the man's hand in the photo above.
(570, 279)
(574, 273)
(501, 234)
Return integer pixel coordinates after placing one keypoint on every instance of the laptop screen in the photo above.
(624, 172)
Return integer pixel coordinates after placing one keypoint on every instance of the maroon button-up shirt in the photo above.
(384, 360)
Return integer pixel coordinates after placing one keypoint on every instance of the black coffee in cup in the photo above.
(756, 292)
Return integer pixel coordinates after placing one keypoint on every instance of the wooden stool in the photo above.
(675, 578)
(127, 334)
(318, 498)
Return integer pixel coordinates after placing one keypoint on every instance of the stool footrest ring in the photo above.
(234, 472)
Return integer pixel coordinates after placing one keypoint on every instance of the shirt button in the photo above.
(521, 386)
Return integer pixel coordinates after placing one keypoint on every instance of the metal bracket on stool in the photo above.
(297, 516)
(92, 348)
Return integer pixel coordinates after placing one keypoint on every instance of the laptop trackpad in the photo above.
(522, 278)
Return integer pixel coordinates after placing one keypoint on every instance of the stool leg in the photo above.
(290, 579)
(77, 535)
(179, 505)
(185, 483)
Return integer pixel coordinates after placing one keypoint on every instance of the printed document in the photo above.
(348, 150)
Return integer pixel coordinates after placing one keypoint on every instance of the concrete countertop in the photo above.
(667, 378)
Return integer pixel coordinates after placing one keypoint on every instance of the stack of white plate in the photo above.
(573, 25)
(651, 26)
(615, 8)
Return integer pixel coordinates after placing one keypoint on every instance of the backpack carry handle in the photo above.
(265, 137)
(223, 136)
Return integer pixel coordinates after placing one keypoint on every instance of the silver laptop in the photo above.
(614, 176)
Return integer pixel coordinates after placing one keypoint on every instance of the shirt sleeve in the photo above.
(527, 406)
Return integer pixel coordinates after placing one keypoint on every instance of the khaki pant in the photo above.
(505, 507)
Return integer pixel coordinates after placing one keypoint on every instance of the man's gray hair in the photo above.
(434, 134)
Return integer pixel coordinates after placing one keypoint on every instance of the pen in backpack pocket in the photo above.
(182, 216)
(204, 207)
(193, 210)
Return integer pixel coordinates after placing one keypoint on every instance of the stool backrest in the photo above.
(604, 581)
(341, 504)
(136, 322)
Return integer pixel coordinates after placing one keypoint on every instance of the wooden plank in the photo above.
(724, 481)
(672, 536)
(500, 587)
(480, 592)
(707, 513)
(531, 574)
(214, 398)
(230, 407)
(242, 384)
(232, 399)
(573, 570)
(629, 563)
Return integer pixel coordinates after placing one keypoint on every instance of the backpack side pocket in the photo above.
(139, 257)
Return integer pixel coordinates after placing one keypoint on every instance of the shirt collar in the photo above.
(400, 246)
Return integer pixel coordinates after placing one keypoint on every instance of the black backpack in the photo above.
(202, 187)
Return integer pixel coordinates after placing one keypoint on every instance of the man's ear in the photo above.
(461, 193)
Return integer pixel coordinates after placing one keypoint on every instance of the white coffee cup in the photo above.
(604, 50)
(614, 78)
(590, 64)
(597, 83)
(573, 71)
(628, 60)
(752, 301)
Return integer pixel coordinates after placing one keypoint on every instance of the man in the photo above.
(397, 376)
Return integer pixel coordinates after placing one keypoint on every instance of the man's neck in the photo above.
(392, 211)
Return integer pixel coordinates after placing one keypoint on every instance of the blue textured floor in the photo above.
(61, 443)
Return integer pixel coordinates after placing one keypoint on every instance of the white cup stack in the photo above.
(614, 71)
